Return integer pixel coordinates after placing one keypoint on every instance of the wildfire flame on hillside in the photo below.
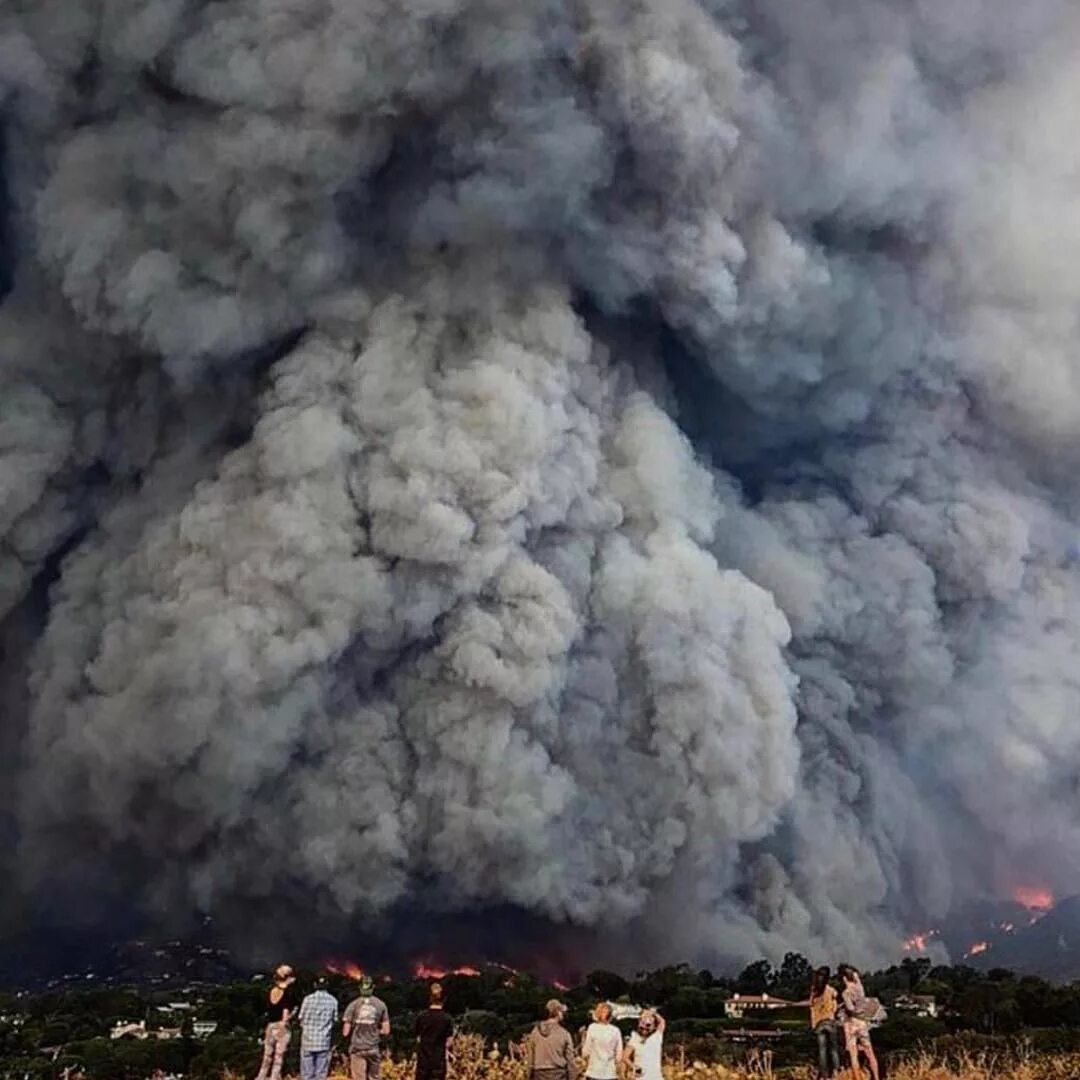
(920, 943)
(425, 969)
(977, 949)
(346, 968)
(1038, 900)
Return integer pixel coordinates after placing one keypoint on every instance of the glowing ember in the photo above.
(1035, 899)
(346, 968)
(977, 949)
(562, 987)
(1006, 927)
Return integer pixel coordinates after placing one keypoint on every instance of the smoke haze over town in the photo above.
(517, 472)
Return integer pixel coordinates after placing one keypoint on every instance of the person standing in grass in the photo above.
(434, 1031)
(823, 1007)
(280, 1004)
(318, 1015)
(366, 1022)
(549, 1049)
(645, 1047)
(602, 1046)
(858, 1012)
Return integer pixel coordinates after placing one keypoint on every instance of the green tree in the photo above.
(755, 978)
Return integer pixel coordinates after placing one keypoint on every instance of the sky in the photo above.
(611, 464)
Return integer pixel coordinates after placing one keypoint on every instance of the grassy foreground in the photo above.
(472, 1061)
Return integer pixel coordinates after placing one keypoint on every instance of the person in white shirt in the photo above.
(602, 1048)
(645, 1046)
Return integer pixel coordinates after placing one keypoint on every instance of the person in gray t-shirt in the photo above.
(365, 1023)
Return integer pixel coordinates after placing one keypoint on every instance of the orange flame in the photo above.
(919, 943)
(1034, 898)
(977, 949)
(346, 968)
(422, 969)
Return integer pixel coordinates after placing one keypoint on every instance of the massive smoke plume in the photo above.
(613, 460)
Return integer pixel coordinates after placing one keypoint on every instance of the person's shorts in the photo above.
(857, 1032)
(364, 1066)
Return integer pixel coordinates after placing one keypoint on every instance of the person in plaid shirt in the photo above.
(318, 1015)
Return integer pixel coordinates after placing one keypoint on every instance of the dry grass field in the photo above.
(472, 1061)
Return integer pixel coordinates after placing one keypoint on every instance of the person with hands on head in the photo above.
(645, 1047)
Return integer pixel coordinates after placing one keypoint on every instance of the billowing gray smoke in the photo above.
(615, 459)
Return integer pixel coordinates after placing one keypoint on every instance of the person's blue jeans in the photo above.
(314, 1064)
(828, 1049)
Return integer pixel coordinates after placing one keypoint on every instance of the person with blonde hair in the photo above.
(602, 1047)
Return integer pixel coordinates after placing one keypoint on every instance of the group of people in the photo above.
(550, 1053)
(364, 1024)
(849, 1015)
(549, 1048)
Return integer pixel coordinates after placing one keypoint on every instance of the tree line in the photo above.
(41, 1035)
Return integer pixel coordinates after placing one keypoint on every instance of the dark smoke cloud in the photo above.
(614, 461)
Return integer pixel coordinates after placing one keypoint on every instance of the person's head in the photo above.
(320, 982)
(555, 1010)
(602, 1013)
(367, 986)
(848, 973)
(818, 981)
(647, 1022)
(283, 973)
(435, 995)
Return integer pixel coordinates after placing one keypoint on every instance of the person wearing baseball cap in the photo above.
(365, 1023)
(318, 1018)
(549, 1049)
(280, 1005)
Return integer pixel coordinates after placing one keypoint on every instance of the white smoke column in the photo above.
(615, 461)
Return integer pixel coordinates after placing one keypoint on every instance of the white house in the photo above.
(137, 1030)
(923, 1006)
(203, 1028)
(738, 1005)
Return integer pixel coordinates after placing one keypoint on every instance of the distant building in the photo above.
(203, 1028)
(624, 1011)
(924, 1006)
(738, 1005)
(165, 1034)
(128, 1029)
